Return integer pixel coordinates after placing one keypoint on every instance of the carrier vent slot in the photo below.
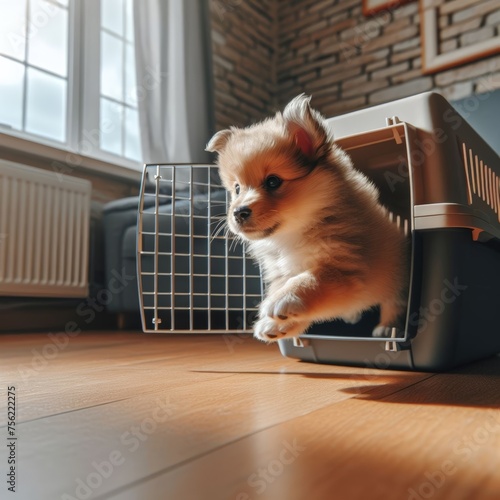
(482, 182)
(402, 223)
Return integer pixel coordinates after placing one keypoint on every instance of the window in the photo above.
(67, 76)
(118, 103)
(34, 67)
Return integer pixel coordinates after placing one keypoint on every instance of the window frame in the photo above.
(83, 99)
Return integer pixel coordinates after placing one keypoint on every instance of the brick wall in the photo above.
(348, 61)
(268, 51)
(243, 43)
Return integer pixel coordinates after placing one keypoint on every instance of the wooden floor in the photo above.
(130, 416)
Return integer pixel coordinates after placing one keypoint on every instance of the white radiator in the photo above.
(44, 233)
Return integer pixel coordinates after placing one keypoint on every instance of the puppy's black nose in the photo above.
(241, 214)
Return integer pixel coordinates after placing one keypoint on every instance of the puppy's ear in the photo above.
(218, 142)
(305, 125)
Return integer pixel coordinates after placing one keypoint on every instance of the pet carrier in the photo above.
(440, 183)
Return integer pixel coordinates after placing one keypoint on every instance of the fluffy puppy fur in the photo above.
(324, 243)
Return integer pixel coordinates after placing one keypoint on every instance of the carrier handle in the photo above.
(455, 215)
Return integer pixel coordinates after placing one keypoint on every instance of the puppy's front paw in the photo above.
(285, 307)
(269, 330)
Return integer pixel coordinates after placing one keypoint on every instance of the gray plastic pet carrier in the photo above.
(441, 185)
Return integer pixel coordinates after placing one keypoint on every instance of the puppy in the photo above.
(325, 244)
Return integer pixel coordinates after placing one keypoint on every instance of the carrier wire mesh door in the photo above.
(193, 276)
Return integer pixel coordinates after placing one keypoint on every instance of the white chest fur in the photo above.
(283, 256)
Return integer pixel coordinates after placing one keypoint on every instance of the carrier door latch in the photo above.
(390, 122)
(392, 345)
(300, 342)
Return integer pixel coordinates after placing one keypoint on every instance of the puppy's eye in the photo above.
(237, 188)
(272, 182)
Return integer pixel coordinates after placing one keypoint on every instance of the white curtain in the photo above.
(174, 79)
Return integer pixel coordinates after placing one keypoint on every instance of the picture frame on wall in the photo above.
(371, 7)
(433, 58)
